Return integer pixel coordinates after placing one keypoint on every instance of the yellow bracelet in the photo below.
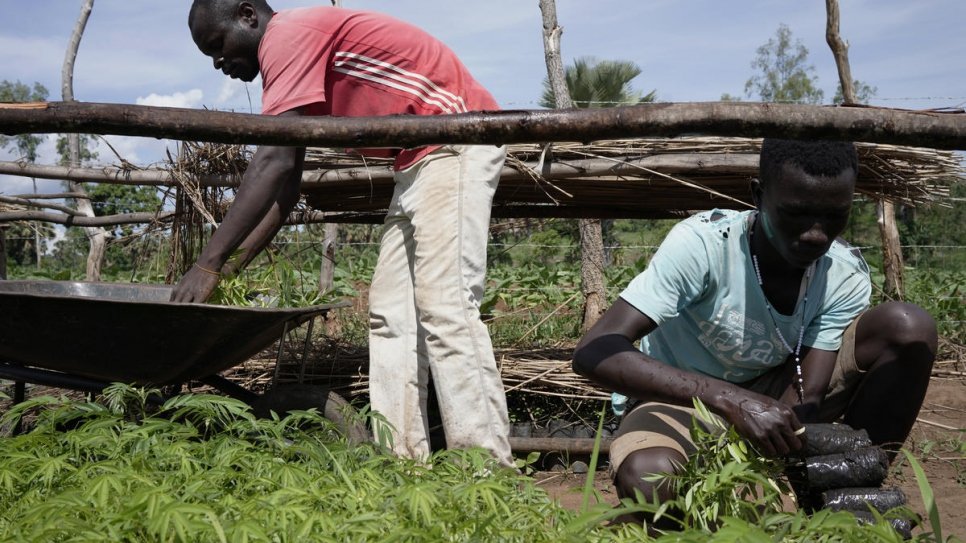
(206, 270)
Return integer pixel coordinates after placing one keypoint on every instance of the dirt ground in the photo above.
(937, 441)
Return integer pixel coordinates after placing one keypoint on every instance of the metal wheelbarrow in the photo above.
(85, 335)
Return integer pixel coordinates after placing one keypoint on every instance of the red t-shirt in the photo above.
(349, 63)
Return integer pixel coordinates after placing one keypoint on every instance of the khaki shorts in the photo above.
(655, 424)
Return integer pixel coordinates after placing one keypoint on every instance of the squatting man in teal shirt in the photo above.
(762, 315)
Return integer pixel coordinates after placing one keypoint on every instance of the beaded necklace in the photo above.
(771, 313)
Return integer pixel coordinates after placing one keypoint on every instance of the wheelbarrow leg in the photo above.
(230, 388)
(283, 399)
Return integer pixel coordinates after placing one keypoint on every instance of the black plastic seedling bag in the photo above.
(863, 499)
(825, 439)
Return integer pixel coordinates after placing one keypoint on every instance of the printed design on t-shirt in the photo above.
(390, 75)
(738, 341)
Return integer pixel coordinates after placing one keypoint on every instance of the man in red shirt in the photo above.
(426, 291)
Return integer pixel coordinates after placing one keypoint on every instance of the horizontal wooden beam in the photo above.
(690, 163)
(935, 129)
(81, 220)
(572, 445)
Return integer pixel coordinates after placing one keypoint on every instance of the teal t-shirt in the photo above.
(700, 288)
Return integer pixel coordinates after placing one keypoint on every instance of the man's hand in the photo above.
(768, 423)
(196, 286)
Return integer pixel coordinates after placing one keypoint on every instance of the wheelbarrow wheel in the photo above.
(294, 397)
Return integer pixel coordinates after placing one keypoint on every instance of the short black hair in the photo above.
(818, 158)
(223, 7)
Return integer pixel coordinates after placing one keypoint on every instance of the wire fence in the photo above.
(629, 258)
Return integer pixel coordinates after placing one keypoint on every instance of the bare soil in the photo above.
(936, 441)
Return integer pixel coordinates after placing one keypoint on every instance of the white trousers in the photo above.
(424, 306)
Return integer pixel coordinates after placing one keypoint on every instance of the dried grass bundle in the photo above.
(197, 207)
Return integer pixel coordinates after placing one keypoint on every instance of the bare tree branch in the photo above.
(83, 220)
(51, 196)
(664, 163)
(96, 236)
(298, 217)
(935, 129)
(26, 202)
(840, 51)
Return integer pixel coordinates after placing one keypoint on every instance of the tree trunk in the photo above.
(591, 234)
(934, 129)
(96, 236)
(592, 271)
(892, 264)
(885, 210)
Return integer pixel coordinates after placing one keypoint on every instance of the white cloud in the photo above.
(236, 95)
(188, 99)
(229, 90)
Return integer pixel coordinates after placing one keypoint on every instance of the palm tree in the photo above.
(599, 83)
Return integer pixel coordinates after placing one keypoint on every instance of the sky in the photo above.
(140, 52)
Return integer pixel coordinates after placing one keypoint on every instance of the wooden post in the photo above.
(591, 232)
(97, 236)
(892, 264)
(327, 273)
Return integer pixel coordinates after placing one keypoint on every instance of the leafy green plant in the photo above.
(725, 478)
(202, 468)
(928, 499)
(729, 490)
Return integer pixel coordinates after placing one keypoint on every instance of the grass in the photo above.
(202, 468)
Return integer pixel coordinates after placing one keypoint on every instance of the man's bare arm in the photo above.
(262, 201)
(607, 355)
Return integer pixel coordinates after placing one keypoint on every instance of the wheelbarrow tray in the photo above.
(131, 333)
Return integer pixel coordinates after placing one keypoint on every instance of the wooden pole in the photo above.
(85, 221)
(571, 445)
(669, 163)
(591, 232)
(892, 264)
(935, 129)
(327, 272)
(96, 236)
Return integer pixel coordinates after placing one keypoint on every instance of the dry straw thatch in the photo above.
(633, 178)
(196, 206)
(345, 370)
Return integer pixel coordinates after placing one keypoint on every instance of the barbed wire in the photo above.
(536, 245)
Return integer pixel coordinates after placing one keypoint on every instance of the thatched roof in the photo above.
(639, 178)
